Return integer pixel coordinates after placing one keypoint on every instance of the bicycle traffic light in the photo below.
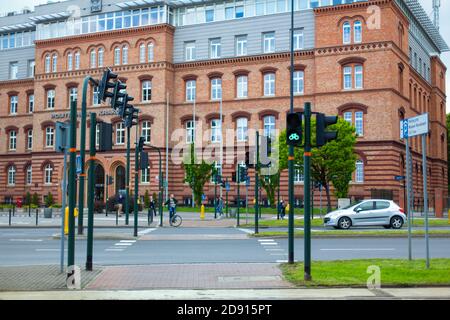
(243, 172)
(105, 84)
(294, 129)
(322, 135)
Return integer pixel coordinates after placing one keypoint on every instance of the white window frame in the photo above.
(150, 52)
(120, 133)
(190, 127)
(30, 139)
(77, 60)
(93, 59)
(269, 126)
(146, 91)
(49, 137)
(241, 45)
(216, 131)
(215, 46)
(145, 176)
(191, 90)
(48, 174)
(299, 177)
(29, 175)
(95, 96)
(269, 42)
(117, 56)
(357, 31)
(359, 78)
(13, 104)
(146, 130)
(11, 176)
(242, 129)
(299, 39)
(69, 62)
(242, 87)
(51, 93)
(31, 103)
(73, 94)
(14, 70)
(47, 63)
(347, 76)
(359, 171)
(269, 84)
(54, 63)
(101, 57)
(348, 116)
(216, 89)
(142, 53)
(359, 123)
(12, 140)
(189, 51)
(299, 82)
(346, 32)
(125, 55)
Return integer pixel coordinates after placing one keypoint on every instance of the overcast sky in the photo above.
(427, 5)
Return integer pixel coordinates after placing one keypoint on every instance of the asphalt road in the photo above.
(200, 245)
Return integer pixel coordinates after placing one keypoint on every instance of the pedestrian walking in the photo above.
(282, 209)
(219, 206)
(152, 206)
(119, 204)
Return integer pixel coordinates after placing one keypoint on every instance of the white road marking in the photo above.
(358, 249)
(50, 250)
(281, 261)
(128, 241)
(278, 254)
(269, 243)
(273, 249)
(27, 240)
(246, 230)
(266, 240)
(146, 231)
(112, 249)
(123, 244)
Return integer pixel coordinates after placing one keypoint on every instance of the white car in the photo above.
(373, 212)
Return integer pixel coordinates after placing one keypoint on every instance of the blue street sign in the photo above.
(203, 197)
(78, 162)
(404, 132)
(398, 178)
(227, 186)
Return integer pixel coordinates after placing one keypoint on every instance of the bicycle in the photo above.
(176, 220)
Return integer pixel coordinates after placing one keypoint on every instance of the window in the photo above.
(13, 70)
(29, 176)
(190, 50)
(359, 123)
(241, 129)
(69, 62)
(150, 52)
(348, 116)
(48, 174)
(116, 56)
(97, 134)
(101, 57)
(269, 42)
(12, 140)
(73, 94)
(13, 101)
(145, 176)
(190, 90)
(269, 84)
(216, 89)
(209, 15)
(30, 139)
(214, 45)
(358, 76)
(47, 63)
(348, 77)
(298, 174)
(146, 91)
(241, 45)
(146, 130)
(125, 55)
(269, 126)
(51, 99)
(120, 133)
(216, 130)
(30, 103)
(93, 59)
(142, 53)
(190, 131)
(95, 96)
(242, 87)
(346, 32)
(298, 39)
(359, 175)
(11, 175)
(299, 82)
(77, 60)
(31, 66)
(49, 137)
(54, 63)
(357, 31)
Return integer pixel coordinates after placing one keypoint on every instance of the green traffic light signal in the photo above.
(294, 129)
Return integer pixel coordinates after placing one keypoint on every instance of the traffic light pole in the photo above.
(160, 185)
(307, 193)
(291, 150)
(91, 185)
(127, 179)
(136, 183)
(238, 195)
(215, 196)
(257, 185)
(72, 188)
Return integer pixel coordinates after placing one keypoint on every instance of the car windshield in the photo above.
(352, 204)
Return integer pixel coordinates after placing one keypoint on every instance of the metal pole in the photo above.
(167, 153)
(91, 185)
(193, 139)
(307, 186)
(106, 202)
(238, 195)
(257, 185)
(425, 197)
(10, 217)
(160, 191)
(136, 184)
(291, 150)
(82, 154)
(278, 195)
(63, 208)
(37, 216)
(127, 179)
(226, 197)
(221, 143)
(408, 202)
(215, 197)
(72, 187)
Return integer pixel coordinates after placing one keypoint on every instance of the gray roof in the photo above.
(428, 26)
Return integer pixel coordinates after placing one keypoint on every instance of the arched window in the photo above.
(150, 52)
(93, 59)
(125, 55)
(47, 63)
(269, 126)
(346, 31)
(54, 63)
(359, 174)
(117, 56)
(101, 57)
(357, 31)
(70, 62)
(77, 60)
(146, 130)
(142, 54)
(11, 175)
(353, 76)
(358, 76)
(241, 129)
(29, 175)
(48, 173)
(146, 90)
(51, 99)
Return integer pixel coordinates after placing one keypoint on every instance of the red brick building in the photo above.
(371, 62)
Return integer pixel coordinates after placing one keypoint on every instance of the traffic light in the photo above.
(217, 178)
(140, 145)
(118, 97)
(266, 146)
(123, 105)
(62, 131)
(131, 115)
(105, 84)
(144, 162)
(294, 129)
(243, 172)
(105, 136)
(322, 122)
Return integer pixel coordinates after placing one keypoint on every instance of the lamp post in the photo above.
(291, 149)
(160, 185)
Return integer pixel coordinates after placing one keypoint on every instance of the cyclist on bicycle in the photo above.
(172, 205)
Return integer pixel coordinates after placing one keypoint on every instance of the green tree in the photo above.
(35, 199)
(197, 174)
(270, 183)
(27, 199)
(49, 200)
(332, 163)
(147, 199)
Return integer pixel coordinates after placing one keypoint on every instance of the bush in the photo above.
(35, 200)
(49, 202)
(155, 199)
(56, 205)
(147, 199)
(27, 199)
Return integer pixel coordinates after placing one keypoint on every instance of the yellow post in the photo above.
(202, 212)
(448, 215)
(66, 220)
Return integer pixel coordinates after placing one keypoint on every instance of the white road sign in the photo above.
(414, 126)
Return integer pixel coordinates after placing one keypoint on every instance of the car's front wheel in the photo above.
(344, 223)
(396, 222)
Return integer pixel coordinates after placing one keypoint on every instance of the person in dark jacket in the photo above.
(152, 206)
(171, 203)
(282, 208)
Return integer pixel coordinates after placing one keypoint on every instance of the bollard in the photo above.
(29, 210)
(202, 212)
(117, 217)
(14, 210)
(10, 217)
(37, 215)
